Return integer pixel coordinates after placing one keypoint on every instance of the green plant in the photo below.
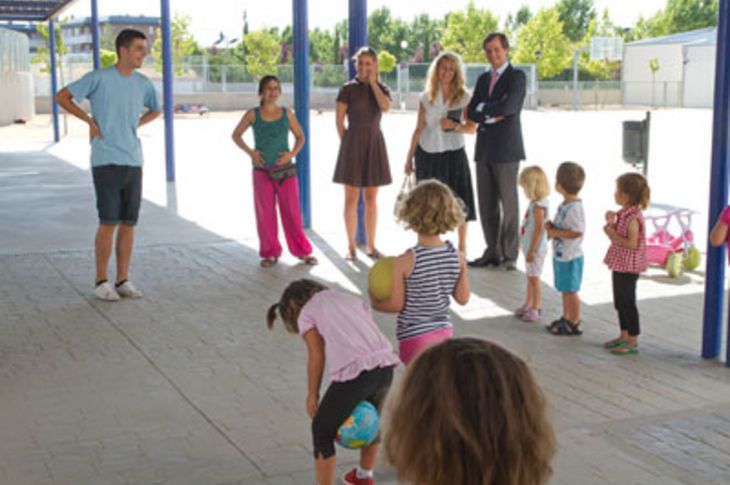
(386, 61)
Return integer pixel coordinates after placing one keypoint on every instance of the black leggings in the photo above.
(624, 299)
(340, 400)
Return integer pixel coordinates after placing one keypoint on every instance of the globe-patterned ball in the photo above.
(360, 429)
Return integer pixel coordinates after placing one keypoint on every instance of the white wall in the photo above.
(699, 76)
(16, 97)
(665, 89)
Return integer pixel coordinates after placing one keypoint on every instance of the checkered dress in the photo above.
(622, 259)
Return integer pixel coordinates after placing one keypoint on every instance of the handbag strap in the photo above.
(407, 184)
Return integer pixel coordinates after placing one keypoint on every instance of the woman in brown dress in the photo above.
(363, 161)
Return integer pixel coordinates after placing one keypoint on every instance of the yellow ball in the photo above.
(380, 279)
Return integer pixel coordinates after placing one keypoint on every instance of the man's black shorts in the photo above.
(118, 193)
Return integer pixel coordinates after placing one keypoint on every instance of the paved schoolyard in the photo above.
(188, 387)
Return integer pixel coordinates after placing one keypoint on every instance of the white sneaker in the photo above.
(106, 292)
(127, 290)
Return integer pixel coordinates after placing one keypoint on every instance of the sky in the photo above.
(227, 15)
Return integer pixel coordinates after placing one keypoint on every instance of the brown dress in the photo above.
(362, 160)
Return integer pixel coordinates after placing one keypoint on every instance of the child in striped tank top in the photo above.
(428, 274)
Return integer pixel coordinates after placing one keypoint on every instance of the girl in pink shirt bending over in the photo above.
(338, 328)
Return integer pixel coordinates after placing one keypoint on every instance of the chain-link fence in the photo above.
(198, 78)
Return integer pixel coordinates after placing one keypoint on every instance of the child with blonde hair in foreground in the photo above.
(426, 276)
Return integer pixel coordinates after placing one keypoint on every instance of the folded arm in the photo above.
(511, 103)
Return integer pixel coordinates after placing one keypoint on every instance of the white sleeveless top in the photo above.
(433, 138)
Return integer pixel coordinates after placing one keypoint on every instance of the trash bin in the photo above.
(636, 142)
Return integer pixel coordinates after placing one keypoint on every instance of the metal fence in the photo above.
(405, 82)
(199, 77)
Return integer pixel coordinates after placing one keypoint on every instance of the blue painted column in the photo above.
(95, 34)
(301, 103)
(715, 270)
(167, 81)
(54, 77)
(358, 37)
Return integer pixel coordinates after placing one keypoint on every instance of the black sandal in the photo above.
(564, 327)
(375, 254)
(269, 262)
(309, 260)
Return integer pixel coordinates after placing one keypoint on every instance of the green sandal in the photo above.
(626, 349)
(612, 344)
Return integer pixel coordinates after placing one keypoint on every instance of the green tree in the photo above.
(385, 32)
(513, 23)
(522, 16)
(654, 68)
(262, 52)
(43, 53)
(286, 41)
(321, 46)
(423, 31)
(542, 41)
(386, 61)
(598, 68)
(107, 38)
(341, 47)
(183, 43)
(654, 26)
(465, 30)
(677, 16)
(108, 58)
(684, 15)
(575, 15)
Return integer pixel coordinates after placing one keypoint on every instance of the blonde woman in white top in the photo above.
(437, 147)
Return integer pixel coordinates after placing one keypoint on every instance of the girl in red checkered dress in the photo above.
(626, 257)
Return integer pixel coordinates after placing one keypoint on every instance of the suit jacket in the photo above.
(502, 141)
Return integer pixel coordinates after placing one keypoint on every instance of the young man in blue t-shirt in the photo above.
(121, 100)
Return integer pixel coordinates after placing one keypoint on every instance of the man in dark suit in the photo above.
(495, 106)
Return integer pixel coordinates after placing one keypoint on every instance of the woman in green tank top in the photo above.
(274, 174)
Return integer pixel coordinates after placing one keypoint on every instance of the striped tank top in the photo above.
(428, 291)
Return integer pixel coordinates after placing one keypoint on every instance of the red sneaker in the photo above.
(351, 478)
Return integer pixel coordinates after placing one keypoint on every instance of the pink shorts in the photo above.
(534, 269)
(409, 348)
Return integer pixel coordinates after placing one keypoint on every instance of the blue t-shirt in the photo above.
(117, 102)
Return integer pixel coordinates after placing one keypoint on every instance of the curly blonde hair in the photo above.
(535, 182)
(430, 208)
(469, 412)
(457, 84)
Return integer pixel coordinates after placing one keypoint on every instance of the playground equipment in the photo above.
(199, 109)
(673, 252)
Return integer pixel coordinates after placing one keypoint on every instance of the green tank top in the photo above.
(271, 137)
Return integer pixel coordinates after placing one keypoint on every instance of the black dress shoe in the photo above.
(484, 263)
(509, 265)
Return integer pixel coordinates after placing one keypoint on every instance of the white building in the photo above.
(685, 75)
